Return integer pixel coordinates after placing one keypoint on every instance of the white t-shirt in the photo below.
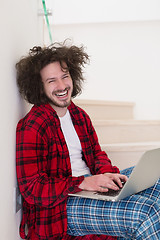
(78, 165)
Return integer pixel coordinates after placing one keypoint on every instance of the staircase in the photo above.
(122, 137)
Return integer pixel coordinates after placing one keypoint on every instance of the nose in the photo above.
(60, 85)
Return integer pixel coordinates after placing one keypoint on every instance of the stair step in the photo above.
(120, 131)
(125, 155)
(98, 109)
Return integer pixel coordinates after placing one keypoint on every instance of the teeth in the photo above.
(61, 94)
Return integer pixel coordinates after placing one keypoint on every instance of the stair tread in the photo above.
(103, 102)
(134, 146)
(125, 122)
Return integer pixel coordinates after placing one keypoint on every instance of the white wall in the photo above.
(125, 61)
(20, 30)
(122, 38)
(124, 65)
(89, 11)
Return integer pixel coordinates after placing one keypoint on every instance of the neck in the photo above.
(61, 111)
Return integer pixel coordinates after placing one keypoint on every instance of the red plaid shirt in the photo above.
(44, 170)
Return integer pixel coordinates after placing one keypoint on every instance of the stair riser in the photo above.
(110, 112)
(124, 159)
(121, 134)
(127, 154)
(98, 110)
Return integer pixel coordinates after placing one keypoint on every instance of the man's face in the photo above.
(58, 85)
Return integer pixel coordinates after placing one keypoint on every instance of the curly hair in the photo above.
(28, 69)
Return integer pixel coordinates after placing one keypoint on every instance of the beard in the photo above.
(63, 104)
(59, 103)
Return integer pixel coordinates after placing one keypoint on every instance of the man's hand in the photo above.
(103, 182)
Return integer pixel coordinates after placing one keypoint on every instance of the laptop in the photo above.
(144, 175)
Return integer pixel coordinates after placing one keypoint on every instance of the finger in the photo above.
(111, 181)
(102, 189)
(124, 178)
(118, 180)
(112, 185)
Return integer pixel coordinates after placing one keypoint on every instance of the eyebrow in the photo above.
(53, 78)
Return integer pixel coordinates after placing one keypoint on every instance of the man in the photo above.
(58, 153)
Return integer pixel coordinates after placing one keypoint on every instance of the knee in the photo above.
(149, 210)
(148, 224)
(153, 208)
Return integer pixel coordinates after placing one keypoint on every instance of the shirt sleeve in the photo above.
(35, 184)
(102, 163)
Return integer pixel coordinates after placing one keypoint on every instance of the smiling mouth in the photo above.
(62, 94)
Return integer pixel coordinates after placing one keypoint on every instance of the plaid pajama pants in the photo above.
(135, 217)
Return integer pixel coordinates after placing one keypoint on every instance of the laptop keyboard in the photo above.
(111, 192)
